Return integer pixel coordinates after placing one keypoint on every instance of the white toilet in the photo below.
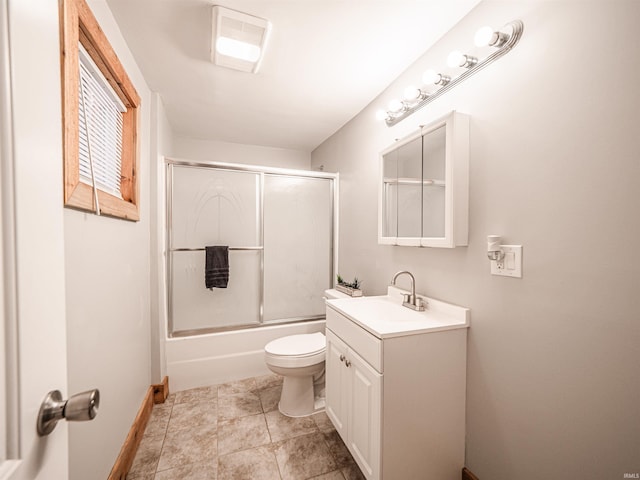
(300, 359)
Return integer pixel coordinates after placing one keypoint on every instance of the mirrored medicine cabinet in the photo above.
(424, 186)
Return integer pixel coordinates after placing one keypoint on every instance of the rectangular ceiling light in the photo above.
(238, 40)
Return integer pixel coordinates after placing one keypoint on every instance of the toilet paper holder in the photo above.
(80, 407)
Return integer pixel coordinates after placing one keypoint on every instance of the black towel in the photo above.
(216, 269)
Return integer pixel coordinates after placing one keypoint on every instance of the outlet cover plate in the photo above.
(511, 264)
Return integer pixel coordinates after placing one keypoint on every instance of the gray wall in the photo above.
(553, 387)
(108, 302)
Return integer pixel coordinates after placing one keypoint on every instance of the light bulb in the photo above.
(237, 49)
(484, 37)
(382, 115)
(412, 93)
(456, 59)
(430, 76)
(395, 106)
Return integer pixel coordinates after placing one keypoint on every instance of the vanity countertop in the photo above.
(385, 317)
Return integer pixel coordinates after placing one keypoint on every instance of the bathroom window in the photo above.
(100, 115)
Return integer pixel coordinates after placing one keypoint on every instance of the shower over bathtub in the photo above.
(280, 228)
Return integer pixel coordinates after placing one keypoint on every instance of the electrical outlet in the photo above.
(511, 264)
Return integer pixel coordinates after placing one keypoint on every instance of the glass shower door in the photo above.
(210, 206)
(298, 246)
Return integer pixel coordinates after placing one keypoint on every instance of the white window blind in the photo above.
(100, 126)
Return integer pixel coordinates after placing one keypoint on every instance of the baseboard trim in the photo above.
(161, 391)
(155, 394)
(467, 475)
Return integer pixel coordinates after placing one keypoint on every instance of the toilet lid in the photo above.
(300, 345)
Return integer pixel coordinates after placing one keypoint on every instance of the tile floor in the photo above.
(234, 431)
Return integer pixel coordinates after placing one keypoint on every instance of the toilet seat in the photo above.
(296, 350)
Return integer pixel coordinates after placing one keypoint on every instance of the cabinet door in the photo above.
(364, 415)
(337, 383)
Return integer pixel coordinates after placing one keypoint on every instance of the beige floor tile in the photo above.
(304, 457)
(240, 386)
(336, 475)
(149, 476)
(338, 449)
(282, 427)
(193, 445)
(221, 432)
(199, 394)
(158, 421)
(267, 381)
(189, 415)
(194, 471)
(242, 433)
(270, 397)
(238, 405)
(352, 472)
(323, 422)
(147, 456)
(255, 464)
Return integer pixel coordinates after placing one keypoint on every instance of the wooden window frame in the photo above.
(78, 25)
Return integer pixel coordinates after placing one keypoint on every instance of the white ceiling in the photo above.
(325, 61)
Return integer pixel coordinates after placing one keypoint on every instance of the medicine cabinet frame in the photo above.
(455, 183)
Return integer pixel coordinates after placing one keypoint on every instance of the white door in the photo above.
(365, 415)
(32, 235)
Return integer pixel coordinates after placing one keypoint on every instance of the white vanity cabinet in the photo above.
(397, 395)
(353, 403)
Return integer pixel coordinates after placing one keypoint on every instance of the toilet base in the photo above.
(298, 399)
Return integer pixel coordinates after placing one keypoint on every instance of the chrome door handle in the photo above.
(79, 408)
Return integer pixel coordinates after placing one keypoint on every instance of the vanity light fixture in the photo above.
(503, 40)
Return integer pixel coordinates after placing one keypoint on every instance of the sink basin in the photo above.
(385, 317)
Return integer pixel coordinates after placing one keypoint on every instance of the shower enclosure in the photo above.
(279, 226)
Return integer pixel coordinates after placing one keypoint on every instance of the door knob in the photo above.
(80, 407)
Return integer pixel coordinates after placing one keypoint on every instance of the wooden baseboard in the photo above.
(467, 475)
(161, 391)
(155, 394)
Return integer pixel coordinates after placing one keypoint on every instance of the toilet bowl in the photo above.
(300, 360)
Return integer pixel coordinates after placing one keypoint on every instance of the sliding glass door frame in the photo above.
(170, 249)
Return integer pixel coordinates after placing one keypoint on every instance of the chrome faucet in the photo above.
(409, 299)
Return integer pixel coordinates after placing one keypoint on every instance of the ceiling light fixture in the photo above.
(237, 49)
(503, 40)
(238, 39)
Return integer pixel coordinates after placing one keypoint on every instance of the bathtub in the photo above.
(214, 358)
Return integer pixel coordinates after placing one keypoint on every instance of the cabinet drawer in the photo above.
(358, 339)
